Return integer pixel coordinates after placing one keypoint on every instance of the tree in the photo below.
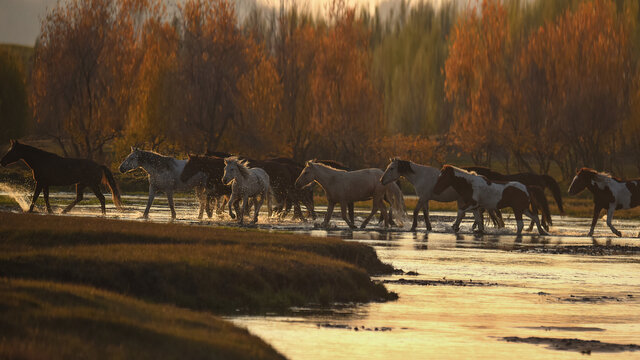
(83, 73)
(14, 108)
(478, 80)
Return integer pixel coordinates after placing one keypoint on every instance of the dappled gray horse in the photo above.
(246, 183)
(164, 176)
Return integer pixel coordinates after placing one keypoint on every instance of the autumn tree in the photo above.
(585, 59)
(478, 80)
(295, 50)
(210, 62)
(85, 61)
(346, 114)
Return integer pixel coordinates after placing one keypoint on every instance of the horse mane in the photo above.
(156, 158)
(458, 169)
(600, 173)
(325, 165)
(336, 165)
(404, 166)
(242, 165)
(34, 149)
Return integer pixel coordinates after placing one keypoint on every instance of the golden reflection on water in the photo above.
(454, 322)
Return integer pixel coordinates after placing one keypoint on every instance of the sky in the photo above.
(20, 19)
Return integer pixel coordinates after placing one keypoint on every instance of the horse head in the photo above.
(581, 180)
(446, 179)
(131, 162)
(307, 176)
(12, 155)
(230, 170)
(193, 166)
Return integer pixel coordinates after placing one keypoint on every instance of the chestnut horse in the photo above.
(50, 169)
(477, 191)
(609, 193)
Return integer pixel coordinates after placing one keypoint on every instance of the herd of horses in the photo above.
(221, 180)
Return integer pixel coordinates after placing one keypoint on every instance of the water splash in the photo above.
(19, 195)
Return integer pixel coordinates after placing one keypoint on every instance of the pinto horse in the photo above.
(479, 192)
(423, 178)
(50, 169)
(609, 193)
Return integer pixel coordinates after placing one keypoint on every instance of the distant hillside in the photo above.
(24, 55)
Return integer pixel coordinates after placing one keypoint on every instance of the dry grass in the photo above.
(46, 320)
(216, 269)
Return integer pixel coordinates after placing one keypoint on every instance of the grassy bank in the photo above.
(219, 270)
(45, 320)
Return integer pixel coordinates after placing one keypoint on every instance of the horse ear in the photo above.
(13, 142)
(133, 149)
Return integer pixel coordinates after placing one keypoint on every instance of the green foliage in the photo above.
(14, 107)
(408, 69)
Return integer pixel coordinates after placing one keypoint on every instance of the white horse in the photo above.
(423, 178)
(164, 176)
(346, 187)
(245, 183)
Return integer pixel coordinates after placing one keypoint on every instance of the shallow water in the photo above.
(510, 291)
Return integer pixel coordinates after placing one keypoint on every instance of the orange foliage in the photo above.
(415, 148)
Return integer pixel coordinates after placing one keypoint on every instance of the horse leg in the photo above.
(45, 192)
(327, 216)
(416, 213)
(79, 197)
(208, 208)
(517, 213)
(245, 204)
(387, 216)
(258, 205)
(612, 208)
(343, 211)
(201, 196)
(297, 211)
(35, 196)
(374, 210)
(596, 215)
(459, 217)
(152, 195)
(425, 212)
(479, 220)
(477, 223)
(98, 193)
(351, 214)
(231, 203)
(534, 219)
(171, 207)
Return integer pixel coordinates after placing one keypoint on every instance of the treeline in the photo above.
(529, 84)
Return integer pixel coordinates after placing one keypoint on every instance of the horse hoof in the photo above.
(590, 233)
(618, 233)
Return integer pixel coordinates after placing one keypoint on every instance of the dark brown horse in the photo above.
(213, 167)
(297, 196)
(609, 193)
(52, 170)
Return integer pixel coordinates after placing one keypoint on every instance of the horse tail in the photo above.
(539, 201)
(397, 199)
(111, 182)
(555, 190)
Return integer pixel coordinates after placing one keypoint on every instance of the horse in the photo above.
(528, 179)
(394, 193)
(164, 176)
(280, 181)
(346, 187)
(245, 183)
(423, 178)
(609, 193)
(213, 168)
(50, 169)
(478, 191)
(304, 195)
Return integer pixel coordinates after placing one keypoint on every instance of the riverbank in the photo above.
(208, 270)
